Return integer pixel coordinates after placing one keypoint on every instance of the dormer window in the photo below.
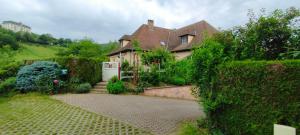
(184, 40)
(124, 40)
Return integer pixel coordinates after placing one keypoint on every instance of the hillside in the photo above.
(27, 52)
(35, 52)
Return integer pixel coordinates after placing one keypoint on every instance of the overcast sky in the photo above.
(107, 20)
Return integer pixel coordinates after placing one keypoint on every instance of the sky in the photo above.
(108, 20)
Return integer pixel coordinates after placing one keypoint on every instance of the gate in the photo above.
(110, 69)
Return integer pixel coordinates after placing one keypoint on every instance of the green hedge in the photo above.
(251, 96)
(85, 69)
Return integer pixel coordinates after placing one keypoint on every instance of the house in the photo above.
(178, 41)
(15, 26)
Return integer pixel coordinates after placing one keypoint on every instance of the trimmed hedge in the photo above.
(251, 96)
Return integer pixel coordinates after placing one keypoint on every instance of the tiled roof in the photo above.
(153, 37)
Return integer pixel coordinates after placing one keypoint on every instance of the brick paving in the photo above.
(50, 117)
(160, 116)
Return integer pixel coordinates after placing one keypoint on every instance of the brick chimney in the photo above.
(151, 24)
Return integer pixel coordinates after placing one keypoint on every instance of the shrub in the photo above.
(7, 39)
(115, 86)
(83, 88)
(192, 129)
(253, 95)
(37, 76)
(179, 69)
(9, 70)
(7, 85)
(85, 69)
(176, 81)
(150, 77)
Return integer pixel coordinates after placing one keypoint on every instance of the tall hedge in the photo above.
(85, 69)
(251, 96)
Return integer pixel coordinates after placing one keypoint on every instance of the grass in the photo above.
(189, 128)
(39, 114)
(30, 52)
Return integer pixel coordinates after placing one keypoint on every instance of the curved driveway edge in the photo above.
(158, 115)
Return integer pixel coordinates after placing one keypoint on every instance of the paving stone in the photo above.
(59, 118)
(158, 115)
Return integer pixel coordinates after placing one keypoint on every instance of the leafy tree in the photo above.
(26, 37)
(158, 56)
(46, 39)
(267, 36)
(109, 47)
(6, 39)
(83, 48)
(63, 42)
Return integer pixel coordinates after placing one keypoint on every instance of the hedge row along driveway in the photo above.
(36, 114)
(253, 95)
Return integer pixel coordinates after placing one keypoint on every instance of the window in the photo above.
(184, 40)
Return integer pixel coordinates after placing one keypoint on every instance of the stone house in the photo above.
(178, 41)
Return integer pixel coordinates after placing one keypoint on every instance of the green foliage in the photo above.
(86, 48)
(192, 129)
(178, 72)
(265, 36)
(251, 96)
(26, 37)
(158, 56)
(83, 88)
(37, 76)
(175, 80)
(46, 39)
(9, 70)
(205, 62)
(7, 39)
(7, 85)
(150, 77)
(115, 86)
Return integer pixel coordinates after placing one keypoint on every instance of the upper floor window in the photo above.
(184, 40)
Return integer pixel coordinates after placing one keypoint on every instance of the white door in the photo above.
(110, 69)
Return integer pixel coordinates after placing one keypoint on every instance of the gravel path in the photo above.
(158, 115)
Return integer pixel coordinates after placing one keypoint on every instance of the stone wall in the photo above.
(180, 92)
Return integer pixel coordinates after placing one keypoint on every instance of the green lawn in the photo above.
(39, 114)
(36, 52)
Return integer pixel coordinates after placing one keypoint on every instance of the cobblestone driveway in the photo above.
(157, 115)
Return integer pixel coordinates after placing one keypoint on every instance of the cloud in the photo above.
(104, 20)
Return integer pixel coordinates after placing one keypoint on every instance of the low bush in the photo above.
(175, 80)
(9, 70)
(150, 77)
(38, 76)
(253, 95)
(115, 86)
(7, 85)
(192, 129)
(83, 88)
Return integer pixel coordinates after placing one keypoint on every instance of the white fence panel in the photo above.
(109, 69)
